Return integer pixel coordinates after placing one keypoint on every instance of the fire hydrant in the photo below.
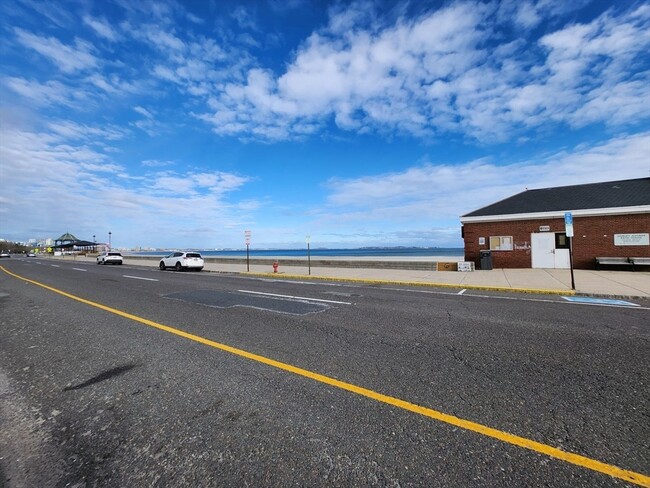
(275, 266)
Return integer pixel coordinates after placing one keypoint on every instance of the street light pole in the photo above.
(94, 244)
(308, 255)
(109, 240)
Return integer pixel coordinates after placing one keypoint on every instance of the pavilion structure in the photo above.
(69, 242)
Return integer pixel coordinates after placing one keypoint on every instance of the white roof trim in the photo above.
(589, 212)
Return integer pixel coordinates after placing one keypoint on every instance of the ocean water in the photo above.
(365, 252)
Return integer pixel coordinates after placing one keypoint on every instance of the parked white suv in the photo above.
(182, 260)
(110, 257)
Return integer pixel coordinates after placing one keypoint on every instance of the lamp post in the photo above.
(109, 240)
(308, 255)
(94, 244)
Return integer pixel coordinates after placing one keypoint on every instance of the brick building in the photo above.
(527, 230)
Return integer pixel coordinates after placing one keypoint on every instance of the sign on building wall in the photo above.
(632, 239)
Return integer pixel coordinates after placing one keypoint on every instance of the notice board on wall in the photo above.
(632, 239)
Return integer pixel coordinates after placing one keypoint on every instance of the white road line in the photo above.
(452, 293)
(291, 297)
(138, 278)
(55, 265)
(518, 299)
(461, 291)
(80, 269)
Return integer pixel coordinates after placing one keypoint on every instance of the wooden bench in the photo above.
(639, 262)
(611, 261)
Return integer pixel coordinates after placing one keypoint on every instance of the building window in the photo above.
(561, 241)
(501, 243)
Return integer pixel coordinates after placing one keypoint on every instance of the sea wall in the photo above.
(375, 263)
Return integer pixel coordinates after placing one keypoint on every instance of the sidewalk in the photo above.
(549, 281)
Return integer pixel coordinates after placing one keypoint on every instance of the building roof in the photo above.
(609, 194)
(67, 237)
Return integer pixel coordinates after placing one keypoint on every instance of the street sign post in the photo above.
(568, 229)
(247, 236)
(308, 254)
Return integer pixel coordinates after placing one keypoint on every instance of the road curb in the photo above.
(535, 291)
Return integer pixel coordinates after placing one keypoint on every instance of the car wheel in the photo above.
(179, 267)
(162, 266)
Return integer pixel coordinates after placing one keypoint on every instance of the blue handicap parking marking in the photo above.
(600, 301)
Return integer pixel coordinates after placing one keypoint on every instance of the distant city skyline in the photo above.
(47, 242)
(178, 124)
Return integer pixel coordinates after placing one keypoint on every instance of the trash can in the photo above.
(486, 259)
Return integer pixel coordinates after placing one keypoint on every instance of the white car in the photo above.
(182, 260)
(110, 257)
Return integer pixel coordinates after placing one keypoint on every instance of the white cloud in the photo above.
(82, 94)
(143, 111)
(58, 16)
(101, 28)
(68, 59)
(73, 131)
(445, 71)
(616, 104)
(59, 170)
(150, 125)
(191, 184)
(154, 163)
(243, 17)
(48, 93)
(527, 14)
(114, 85)
(440, 192)
(163, 40)
(195, 19)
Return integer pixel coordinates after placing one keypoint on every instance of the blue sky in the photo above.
(183, 124)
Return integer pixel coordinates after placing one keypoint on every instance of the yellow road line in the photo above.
(569, 457)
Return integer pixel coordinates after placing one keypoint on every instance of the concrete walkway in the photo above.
(556, 281)
(610, 283)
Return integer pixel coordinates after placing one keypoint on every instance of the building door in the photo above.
(549, 250)
(542, 250)
(562, 259)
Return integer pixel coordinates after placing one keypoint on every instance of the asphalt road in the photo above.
(324, 386)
